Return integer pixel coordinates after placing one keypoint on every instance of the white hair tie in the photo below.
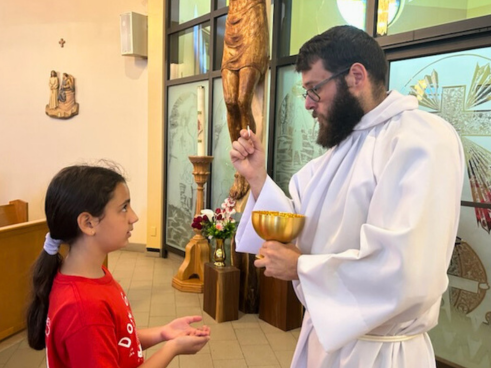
(51, 245)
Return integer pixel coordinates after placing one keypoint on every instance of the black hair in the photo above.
(342, 46)
(74, 190)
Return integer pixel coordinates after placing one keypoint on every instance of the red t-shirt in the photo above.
(90, 324)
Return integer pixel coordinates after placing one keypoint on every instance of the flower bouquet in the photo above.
(218, 225)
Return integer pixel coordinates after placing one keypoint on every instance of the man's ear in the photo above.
(87, 222)
(357, 77)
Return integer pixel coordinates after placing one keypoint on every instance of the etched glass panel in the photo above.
(222, 171)
(408, 15)
(310, 18)
(463, 332)
(457, 87)
(186, 10)
(295, 129)
(190, 52)
(182, 138)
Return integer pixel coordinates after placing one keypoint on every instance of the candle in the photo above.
(201, 121)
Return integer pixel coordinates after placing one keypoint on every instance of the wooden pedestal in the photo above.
(278, 303)
(249, 274)
(249, 282)
(190, 276)
(221, 292)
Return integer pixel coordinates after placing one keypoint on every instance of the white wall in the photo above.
(111, 90)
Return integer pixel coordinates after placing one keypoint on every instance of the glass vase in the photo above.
(219, 255)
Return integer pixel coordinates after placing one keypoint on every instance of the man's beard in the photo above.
(343, 115)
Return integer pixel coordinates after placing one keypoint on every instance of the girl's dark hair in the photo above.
(73, 190)
(342, 46)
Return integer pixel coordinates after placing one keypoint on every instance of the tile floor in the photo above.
(147, 278)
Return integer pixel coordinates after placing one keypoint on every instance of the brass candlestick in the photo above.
(190, 276)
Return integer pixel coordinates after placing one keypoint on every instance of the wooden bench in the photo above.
(21, 242)
(20, 245)
(13, 213)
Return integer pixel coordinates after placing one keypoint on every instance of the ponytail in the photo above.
(43, 274)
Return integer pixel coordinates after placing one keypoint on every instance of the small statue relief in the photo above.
(62, 103)
(53, 86)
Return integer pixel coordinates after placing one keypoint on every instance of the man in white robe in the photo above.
(381, 206)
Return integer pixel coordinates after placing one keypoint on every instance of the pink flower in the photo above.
(216, 224)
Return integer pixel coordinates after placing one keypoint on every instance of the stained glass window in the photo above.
(396, 16)
(186, 10)
(310, 18)
(457, 86)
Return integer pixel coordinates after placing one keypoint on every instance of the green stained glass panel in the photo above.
(312, 17)
(186, 10)
(409, 15)
(457, 87)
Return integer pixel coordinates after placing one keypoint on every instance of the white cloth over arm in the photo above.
(247, 239)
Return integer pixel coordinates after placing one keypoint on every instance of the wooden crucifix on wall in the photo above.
(244, 65)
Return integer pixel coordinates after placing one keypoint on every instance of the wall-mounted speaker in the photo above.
(134, 34)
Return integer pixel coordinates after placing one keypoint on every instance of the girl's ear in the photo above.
(86, 223)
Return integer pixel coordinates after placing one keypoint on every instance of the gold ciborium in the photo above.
(279, 226)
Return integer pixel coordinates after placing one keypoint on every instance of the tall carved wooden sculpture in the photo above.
(244, 64)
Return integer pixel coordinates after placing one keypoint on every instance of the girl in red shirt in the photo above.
(79, 313)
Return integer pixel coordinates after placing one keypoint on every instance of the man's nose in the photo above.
(309, 103)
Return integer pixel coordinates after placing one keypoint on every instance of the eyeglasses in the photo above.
(312, 92)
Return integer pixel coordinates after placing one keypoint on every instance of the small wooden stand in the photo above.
(278, 303)
(190, 276)
(221, 296)
(249, 274)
